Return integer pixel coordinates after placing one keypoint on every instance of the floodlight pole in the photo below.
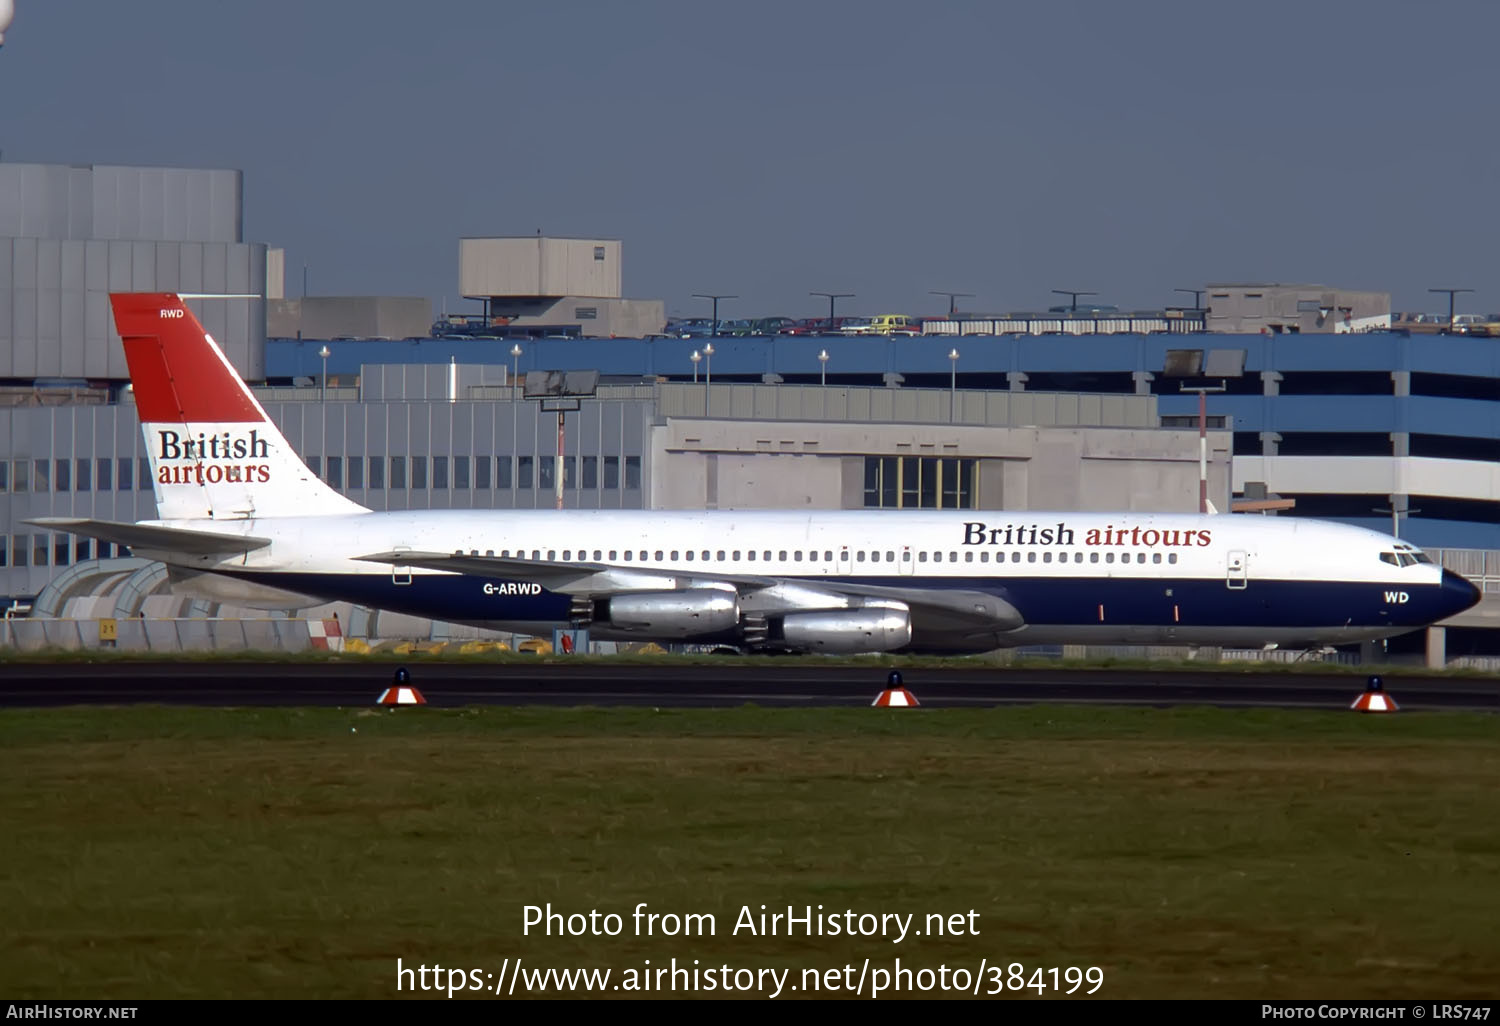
(952, 300)
(1203, 391)
(1074, 293)
(709, 295)
(559, 471)
(831, 297)
(1197, 297)
(1451, 293)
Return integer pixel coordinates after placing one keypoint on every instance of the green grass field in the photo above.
(155, 852)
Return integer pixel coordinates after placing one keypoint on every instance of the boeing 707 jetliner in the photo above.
(241, 519)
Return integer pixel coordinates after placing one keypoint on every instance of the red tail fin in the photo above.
(176, 376)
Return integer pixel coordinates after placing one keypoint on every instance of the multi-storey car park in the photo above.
(1380, 428)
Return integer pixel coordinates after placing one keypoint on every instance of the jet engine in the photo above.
(870, 628)
(670, 614)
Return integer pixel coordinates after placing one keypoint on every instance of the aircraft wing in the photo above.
(590, 578)
(148, 536)
(931, 609)
(941, 610)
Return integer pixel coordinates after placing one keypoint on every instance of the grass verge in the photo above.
(173, 852)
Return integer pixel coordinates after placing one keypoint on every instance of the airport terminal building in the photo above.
(1370, 427)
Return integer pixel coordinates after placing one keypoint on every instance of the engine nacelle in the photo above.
(848, 631)
(671, 614)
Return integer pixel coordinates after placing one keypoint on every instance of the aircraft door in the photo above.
(1237, 570)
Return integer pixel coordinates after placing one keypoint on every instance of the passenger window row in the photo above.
(808, 556)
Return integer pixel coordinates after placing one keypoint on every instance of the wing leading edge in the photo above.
(939, 611)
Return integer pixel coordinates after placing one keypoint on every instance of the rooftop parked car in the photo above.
(806, 326)
(769, 325)
(690, 327)
(894, 324)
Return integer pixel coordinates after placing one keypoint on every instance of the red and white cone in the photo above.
(1374, 699)
(401, 696)
(895, 698)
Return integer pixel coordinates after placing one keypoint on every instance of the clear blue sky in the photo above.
(772, 148)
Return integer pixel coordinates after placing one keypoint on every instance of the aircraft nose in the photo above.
(1459, 593)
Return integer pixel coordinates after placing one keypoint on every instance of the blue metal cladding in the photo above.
(987, 359)
(990, 354)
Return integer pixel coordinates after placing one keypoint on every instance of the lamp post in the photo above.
(953, 383)
(1074, 293)
(710, 295)
(324, 352)
(831, 296)
(708, 366)
(1197, 296)
(953, 298)
(695, 358)
(823, 366)
(515, 365)
(1451, 294)
(1198, 364)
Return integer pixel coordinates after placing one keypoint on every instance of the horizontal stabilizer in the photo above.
(146, 536)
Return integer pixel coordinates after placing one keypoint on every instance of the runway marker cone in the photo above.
(1374, 699)
(401, 691)
(895, 696)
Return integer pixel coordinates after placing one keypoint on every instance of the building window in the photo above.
(525, 472)
(419, 473)
(143, 473)
(398, 471)
(632, 471)
(60, 550)
(591, 472)
(481, 472)
(336, 471)
(598, 252)
(502, 471)
(545, 480)
(4, 550)
(39, 550)
(585, 313)
(40, 479)
(84, 474)
(104, 469)
(611, 472)
(440, 472)
(315, 464)
(63, 480)
(377, 473)
(920, 482)
(22, 476)
(461, 472)
(82, 550)
(4, 475)
(356, 472)
(19, 551)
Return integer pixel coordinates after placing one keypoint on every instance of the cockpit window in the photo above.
(1421, 557)
(1389, 557)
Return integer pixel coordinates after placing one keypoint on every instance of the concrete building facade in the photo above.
(70, 235)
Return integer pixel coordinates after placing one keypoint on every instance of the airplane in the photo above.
(242, 520)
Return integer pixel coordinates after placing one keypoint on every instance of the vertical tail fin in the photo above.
(214, 453)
